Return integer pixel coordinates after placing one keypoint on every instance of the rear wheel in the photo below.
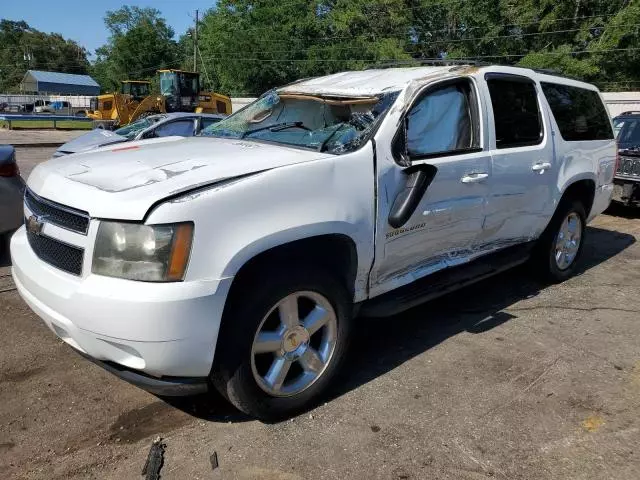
(278, 351)
(560, 246)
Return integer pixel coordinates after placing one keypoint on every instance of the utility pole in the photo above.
(195, 45)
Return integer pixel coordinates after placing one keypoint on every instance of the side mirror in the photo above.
(400, 147)
(417, 180)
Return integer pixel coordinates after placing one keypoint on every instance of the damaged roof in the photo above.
(362, 83)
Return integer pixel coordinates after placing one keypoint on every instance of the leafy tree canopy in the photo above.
(24, 48)
(140, 42)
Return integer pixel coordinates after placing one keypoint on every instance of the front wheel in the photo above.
(280, 348)
(560, 246)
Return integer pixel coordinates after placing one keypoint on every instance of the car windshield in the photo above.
(628, 131)
(335, 125)
(131, 130)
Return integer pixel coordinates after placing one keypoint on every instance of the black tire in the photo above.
(232, 373)
(544, 257)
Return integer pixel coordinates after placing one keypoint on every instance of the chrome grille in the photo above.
(57, 254)
(64, 217)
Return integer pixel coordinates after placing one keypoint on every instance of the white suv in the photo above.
(238, 259)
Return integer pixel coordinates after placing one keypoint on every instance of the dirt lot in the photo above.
(509, 379)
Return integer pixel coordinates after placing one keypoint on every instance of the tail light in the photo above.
(617, 159)
(9, 170)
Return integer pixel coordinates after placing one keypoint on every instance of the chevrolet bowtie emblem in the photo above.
(34, 225)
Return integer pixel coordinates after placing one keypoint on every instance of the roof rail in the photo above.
(631, 112)
(444, 62)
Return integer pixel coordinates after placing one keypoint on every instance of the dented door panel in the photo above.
(442, 231)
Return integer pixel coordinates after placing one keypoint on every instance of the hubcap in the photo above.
(294, 344)
(568, 241)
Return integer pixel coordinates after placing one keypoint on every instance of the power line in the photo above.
(412, 29)
(316, 48)
(438, 59)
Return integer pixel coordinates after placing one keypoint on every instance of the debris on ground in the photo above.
(214, 460)
(155, 459)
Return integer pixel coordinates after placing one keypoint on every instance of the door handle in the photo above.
(541, 167)
(474, 177)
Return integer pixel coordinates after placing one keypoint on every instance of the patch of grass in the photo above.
(60, 124)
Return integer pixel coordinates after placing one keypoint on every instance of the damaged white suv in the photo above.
(238, 259)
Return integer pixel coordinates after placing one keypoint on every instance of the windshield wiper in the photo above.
(277, 127)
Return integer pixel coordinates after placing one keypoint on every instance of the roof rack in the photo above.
(428, 62)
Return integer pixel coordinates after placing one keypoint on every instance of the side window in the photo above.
(441, 122)
(579, 113)
(209, 121)
(108, 105)
(515, 112)
(221, 107)
(181, 128)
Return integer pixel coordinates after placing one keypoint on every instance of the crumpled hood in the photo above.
(124, 181)
(90, 140)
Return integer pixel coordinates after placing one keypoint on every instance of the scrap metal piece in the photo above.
(155, 460)
(214, 460)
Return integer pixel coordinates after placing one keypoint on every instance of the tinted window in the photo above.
(182, 128)
(579, 113)
(629, 132)
(209, 121)
(515, 112)
(440, 122)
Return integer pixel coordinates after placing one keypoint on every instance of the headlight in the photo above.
(151, 253)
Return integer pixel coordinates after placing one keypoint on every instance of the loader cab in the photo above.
(136, 88)
(180, 89)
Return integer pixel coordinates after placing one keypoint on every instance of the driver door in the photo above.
(432, 186)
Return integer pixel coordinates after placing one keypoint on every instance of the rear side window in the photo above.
(579, 113)
(181, 128)
(515, 112)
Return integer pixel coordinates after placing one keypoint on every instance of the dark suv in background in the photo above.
(627, 180)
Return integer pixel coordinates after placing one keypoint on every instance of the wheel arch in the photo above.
(581, 188)
(336, 252)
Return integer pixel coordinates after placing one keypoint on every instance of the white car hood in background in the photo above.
(90, 140)
(124, 181)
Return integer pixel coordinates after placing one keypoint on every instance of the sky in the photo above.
(82, 20)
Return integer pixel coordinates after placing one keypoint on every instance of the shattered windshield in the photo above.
(131, 130)
(335, 125)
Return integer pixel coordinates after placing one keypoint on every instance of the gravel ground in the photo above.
(508, 379)
(33, 137)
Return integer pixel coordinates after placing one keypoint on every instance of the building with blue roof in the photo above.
(55, 83)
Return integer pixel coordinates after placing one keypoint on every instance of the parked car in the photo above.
(154, 126)
(11, 193)
(40, 106)
(57, 106)
(239, 258)
(627, 180)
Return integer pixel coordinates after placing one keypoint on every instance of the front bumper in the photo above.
(166, 386)
(626, 189)
(155, 329)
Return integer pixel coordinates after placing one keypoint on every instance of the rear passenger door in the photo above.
(523, 167)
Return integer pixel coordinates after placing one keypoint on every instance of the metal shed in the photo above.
(37, 81)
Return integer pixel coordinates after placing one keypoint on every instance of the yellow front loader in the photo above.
(179, 92)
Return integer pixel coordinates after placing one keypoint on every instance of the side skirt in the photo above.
(445, 281)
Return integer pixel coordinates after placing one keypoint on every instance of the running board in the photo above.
(445, 281)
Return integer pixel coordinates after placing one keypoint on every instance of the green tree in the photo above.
(252, 45)
(24, 48)
(140, 43)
